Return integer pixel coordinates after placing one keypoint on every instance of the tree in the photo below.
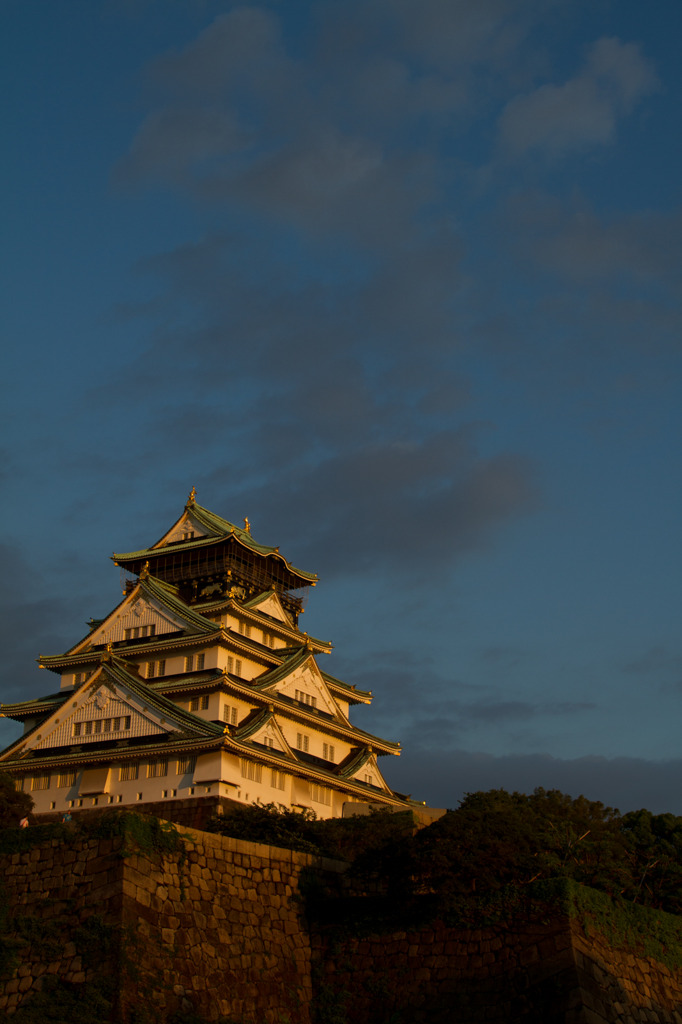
(13, 805)
(498, 839)
(654, 843)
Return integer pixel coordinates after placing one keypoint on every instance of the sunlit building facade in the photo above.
(199, 684)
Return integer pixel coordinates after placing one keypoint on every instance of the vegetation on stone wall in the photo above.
(13, 805)
(495, 842)
(340, 838)
(139, 833)
(497, 857)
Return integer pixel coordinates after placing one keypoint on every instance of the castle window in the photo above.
(268, 741)
(200, 662)
(128, 772)
(320, 794)
(268, 639)
(40, 782)
(157, 769)
(306, 698)
(97, 726)
(189, 662)
(80, 677)
(328, 751)
(186, 765)
(65, 780)
(277, 779)
(194, 704)
(245, 629)
(251, 770)
(302, 741)
(137, 632)
(229, 714)
(204, 702)
(156, 668)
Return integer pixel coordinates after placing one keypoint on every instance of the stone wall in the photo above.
(542, 972)
(220, 930)
(217, 929)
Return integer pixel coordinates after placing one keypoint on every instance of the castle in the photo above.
(199, 684)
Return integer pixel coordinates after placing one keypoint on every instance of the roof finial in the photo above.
(192, 497)
(144, 571)
(247, 526)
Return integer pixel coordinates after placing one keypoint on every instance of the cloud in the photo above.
(29, 626)
(583, 112)
(426, 707)
(342, 132)
(421, 502)
(574, 241)
(442, 777)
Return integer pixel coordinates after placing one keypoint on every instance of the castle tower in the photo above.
(199, 684)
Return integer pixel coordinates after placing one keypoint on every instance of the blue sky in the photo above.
(399, 281)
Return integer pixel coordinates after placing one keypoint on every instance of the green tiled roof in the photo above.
(39, 706)
(168, 595)
(351, 690)
(259, 719)
(354, 762)
(295, 661)
(116, 668)
(219, 529)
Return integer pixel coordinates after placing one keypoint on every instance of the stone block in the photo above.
(143, 897)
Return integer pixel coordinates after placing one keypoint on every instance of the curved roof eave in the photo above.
(221, 530)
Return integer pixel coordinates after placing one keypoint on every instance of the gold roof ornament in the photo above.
(192, 497)
(247, 526)
(144, 571)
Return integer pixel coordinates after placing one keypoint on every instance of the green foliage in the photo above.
(16, 840)
(13, 805)
(482, 855)
(497, 839)
(624, 924)
(364, 836)
(654, 843)
(139, 832)
(340, 838)
(270, 824)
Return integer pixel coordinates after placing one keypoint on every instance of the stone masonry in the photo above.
(221, 931)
